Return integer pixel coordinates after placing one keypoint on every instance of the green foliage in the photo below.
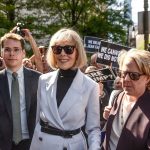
(44, 17)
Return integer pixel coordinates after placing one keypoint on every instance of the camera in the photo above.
(19, 31)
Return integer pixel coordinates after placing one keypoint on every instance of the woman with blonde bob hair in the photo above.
(128, 125)
(67, 99)
(68, 35)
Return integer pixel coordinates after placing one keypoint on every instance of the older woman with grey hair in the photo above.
(67, 99)
(128, 126)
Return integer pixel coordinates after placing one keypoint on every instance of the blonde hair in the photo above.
(12, 36)
(68, 35)
(141, 58)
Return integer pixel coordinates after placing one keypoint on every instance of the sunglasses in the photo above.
(57, 49)
(133, 75)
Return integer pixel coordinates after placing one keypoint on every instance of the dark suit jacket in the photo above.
(136, 131)
(6, 126)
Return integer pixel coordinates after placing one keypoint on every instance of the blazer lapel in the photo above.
(5, 92)
(51, 86)
(68, 100)
(28, 88)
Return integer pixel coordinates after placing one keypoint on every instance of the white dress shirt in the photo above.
(24, 127)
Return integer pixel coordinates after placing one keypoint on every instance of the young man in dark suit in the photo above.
(17, 119)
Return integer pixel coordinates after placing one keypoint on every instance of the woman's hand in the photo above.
(27, 34)
(106, 112)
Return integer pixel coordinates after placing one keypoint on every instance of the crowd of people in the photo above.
(38, 60)
(47, 101)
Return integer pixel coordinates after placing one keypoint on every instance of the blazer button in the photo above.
(40, 138)
(65, 148)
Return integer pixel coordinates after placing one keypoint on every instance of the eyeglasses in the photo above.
(57, 49)
(133, 75)
(15, 51)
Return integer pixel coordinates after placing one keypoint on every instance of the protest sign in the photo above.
(102, 75)
(92, 44)
(108, 53)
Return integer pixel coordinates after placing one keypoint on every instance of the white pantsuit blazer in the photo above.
(79, 106)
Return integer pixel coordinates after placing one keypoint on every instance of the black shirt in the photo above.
(65, 78)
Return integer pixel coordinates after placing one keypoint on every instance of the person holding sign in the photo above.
(103, 95)
(128, 125)
(107, 84)
(67, 98)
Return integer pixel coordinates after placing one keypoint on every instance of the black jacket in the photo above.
(6, 125)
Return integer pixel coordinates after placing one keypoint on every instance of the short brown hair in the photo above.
(12, 36)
